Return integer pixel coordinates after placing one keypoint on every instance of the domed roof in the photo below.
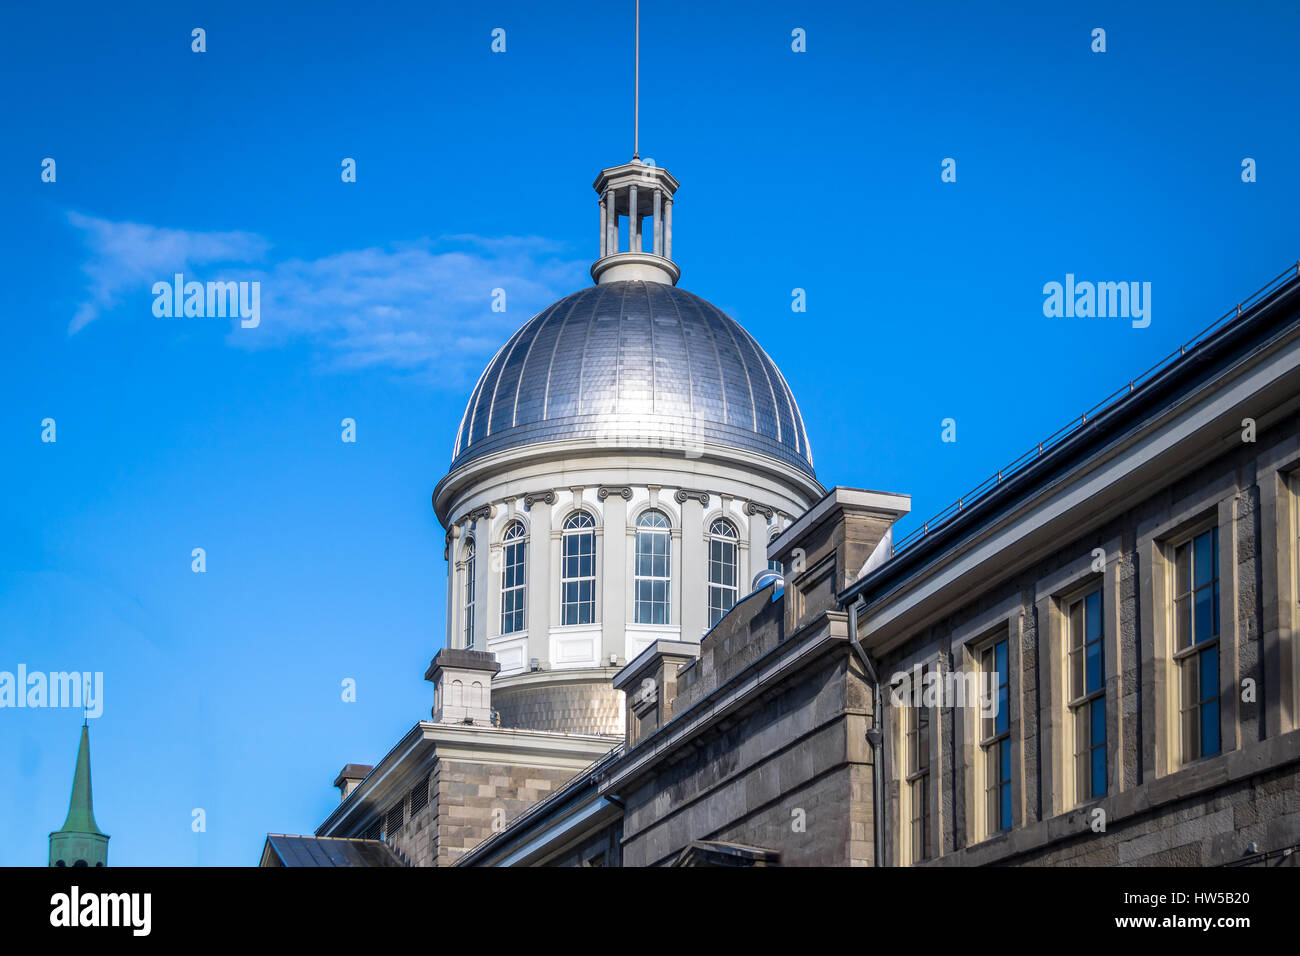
(632, 360)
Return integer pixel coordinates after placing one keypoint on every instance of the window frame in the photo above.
(468, 588)
(568, 533)
(1180, 657)
(514, 539)
(661, 534)
(1001, 739)
(1075, 703)
(921, 826)
(719, 588)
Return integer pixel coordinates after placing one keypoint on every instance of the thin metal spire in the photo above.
(636, 90)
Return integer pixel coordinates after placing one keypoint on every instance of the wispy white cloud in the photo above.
(129, 256)
(422, 308)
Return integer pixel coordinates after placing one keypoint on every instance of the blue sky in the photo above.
(818, 170)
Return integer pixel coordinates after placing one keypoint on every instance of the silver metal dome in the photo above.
(633, 360)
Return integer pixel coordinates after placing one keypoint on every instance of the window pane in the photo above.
(1183, 622)
(1093, 608)
(1205, 628)
(1099, 761)
(1082, 786)
(1098, 722)
(1081, 749)
(1209, 668)
(1190, 710)
(1209, 728)
(1005, 760)
(1094, 667)
(1182, 569)
(1203, 560)
(923, 739)
(991, 788)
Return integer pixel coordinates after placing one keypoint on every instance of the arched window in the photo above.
(772, 563)
(723, 568)
(467, 589)
(513, 590)
(652, 568)
(578, 570)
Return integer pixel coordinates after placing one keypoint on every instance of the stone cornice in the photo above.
(569, 455)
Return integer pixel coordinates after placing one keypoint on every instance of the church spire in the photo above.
(79, 842)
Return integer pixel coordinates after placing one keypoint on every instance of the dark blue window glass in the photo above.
(1004, 810)
(1098, 708)
(1209, 665)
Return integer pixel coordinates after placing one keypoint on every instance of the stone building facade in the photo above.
(668, 644)
(1102, 643)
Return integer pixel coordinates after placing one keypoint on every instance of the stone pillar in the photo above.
(543, 581)
(757, 551)
(668, 228)
(611, 236)
(453, 558)
(694, 572)
(604, 228)
(613, 582)
(657, 246)
(554, 576)
(482, 577)
(633, 221)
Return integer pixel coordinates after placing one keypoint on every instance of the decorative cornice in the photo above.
(623, 491)
(754, 508)
(546, 497)
(683, 495)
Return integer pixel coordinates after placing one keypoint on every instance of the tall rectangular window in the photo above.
(1088, 696)
(578, 570)
(1196, 643)
(653, 573)
(995, 738)
(467, 607)
(724, 570)
(514, 589)
(918, 772)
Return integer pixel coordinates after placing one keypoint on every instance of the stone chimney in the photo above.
(462, 686)
(825, 549)
(350, 778)
(649, 685)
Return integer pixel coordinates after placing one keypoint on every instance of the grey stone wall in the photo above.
(1264, 810)
(1216, 821)
(792, 774)
(471, 794)
(464, 798)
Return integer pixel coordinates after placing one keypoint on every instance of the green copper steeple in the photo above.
(79, 842)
